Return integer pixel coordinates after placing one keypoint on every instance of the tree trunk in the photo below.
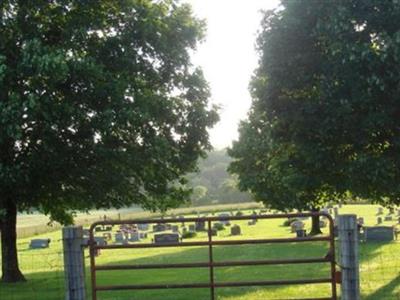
(9, 256)
(315, 228)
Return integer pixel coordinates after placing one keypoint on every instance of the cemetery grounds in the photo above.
(379, 266)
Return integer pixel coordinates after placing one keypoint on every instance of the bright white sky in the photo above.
(228, 58)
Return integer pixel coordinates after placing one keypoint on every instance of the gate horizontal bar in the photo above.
(214, 264)
(208, 285)
(217, 243)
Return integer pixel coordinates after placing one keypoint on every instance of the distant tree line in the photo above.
(212, 184)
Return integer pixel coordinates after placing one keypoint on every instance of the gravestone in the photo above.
(200, 226)
(159, 227)
(143, 227)
(134, 237)
(252, 222)
(323, 223)
(107, 236)
(166, 238)
(143, 235)
(175, 228)
(235, 230)
(360, 221)
(379, 211)
(297, 225)
(182, 218)
(192, 228)
(222, 219)
(301, 233)
(379, 233)
(391, 210)
(388, 218)
(184, 229)
(168, 226)
(100, 240)
(120, 238)
(214, 232)
(39, 243)
(379, 220)
(325, 211)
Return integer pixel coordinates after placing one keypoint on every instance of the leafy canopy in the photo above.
(99, 104)
(325, 118)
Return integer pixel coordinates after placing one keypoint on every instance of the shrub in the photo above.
(188, 234)
(289, 222)
(218, 226)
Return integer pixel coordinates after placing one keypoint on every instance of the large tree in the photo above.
(326, 106)
(99, 107)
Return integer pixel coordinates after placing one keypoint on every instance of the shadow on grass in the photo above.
(385, 292)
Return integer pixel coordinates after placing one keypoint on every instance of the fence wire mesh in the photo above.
(44, 271)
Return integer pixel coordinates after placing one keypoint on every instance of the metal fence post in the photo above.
(74, 263)
(348, 256)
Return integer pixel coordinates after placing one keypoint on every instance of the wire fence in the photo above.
(44, 270)
(380, 271)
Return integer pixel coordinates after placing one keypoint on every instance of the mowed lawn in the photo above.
(380, 267)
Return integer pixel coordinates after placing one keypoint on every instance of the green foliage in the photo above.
(189, 234)
(213, 184)
(218, 226)
(99, 104)
(325, 114)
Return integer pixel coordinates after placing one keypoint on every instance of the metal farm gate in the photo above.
(211, 264)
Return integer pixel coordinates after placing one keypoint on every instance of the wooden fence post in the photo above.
(348, 257)
(74, 263)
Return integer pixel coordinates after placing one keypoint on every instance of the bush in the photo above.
(189, 234)
(239, 214)
(218, 226)
(289, 222)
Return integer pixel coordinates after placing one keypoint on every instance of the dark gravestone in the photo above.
(120, 238)
(200, 226)
(143, 235)
(301, 233)
(235, 230)
(143, 227)
(223, 219)
(391, 210)
(159, 227)
(379, 220)
(252, 222)
(379, 211)
(378, 233)
(39, 243)
(323, 223)
(388, 218)
(100, 240)
(134, 237)
(166, 238)
(175, 228)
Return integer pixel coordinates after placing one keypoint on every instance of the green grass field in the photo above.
(380, 267)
